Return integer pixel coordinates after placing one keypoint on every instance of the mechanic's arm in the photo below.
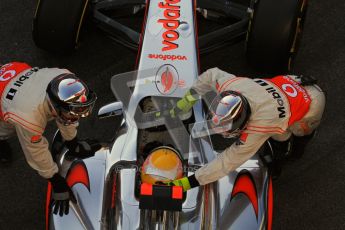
(68, 132)
(211, 80)
(77, 148)
(38, 156)
(36, 151)
(231, 158)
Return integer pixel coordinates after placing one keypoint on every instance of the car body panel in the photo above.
(237, 201)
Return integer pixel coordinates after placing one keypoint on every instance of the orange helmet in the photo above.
(162, 165)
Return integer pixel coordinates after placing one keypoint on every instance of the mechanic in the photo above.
(287, 109)
(30, 97)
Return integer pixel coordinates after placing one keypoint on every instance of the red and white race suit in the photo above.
(279, 107)
(24, 110)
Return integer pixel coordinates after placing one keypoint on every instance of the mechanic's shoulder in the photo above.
(60, 69)
(53, 70)
(215, 69)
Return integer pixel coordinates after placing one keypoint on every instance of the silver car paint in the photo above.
(206, 207)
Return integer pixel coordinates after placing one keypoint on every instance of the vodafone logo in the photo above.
(290, 90)
(170, 23)
(168, 57)
(215, 120)
(7, 75)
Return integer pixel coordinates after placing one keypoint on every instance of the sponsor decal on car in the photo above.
(170, 22)
(78, 174)
(167, 79)
(165, 57)
(245, 185)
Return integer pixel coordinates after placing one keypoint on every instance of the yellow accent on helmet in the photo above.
(162, 165)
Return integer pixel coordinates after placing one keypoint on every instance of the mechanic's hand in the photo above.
(183, 182)
(174, 111)
(184, 105)
(62, 194)
(82, 148)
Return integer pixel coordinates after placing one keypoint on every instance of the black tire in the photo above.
(274, 34)
(57, 24)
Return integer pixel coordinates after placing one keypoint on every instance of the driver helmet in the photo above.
(163, 164)
(70, 98)
(229, 113)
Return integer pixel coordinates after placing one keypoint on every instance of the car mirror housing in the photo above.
(111, 110)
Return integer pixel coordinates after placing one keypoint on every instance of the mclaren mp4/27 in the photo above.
(109, 188)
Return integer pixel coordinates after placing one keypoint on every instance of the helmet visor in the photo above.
(70, 114)
(167, 175)
(84, 109)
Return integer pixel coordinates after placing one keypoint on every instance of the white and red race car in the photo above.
(108, 186)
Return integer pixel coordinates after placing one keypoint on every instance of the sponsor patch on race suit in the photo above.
(7, 73)
(36, 138)
(297, 96)
(242, 139)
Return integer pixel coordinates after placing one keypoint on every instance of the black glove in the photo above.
(62, 194)
(82, 148)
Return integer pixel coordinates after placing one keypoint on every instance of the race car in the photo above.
(122, 186)
(271, 28)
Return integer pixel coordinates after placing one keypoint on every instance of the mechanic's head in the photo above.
(162, 165)
(229, 113)
(70, 98)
